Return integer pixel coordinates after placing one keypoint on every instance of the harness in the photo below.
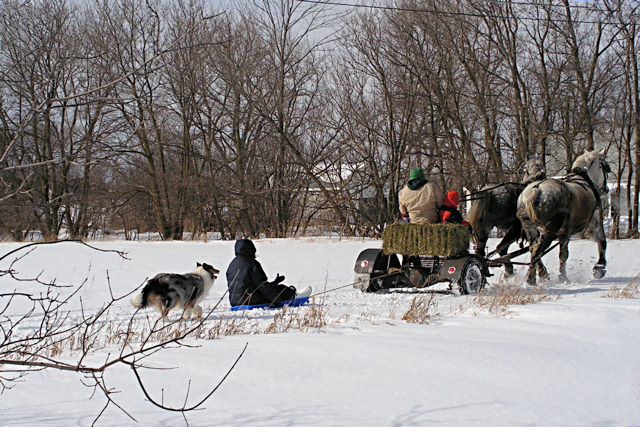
(579, 176)
(583, 174)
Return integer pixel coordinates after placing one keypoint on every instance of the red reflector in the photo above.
(364, 263)
(452, 270)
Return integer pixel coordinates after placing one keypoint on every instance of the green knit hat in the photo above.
(416, 173)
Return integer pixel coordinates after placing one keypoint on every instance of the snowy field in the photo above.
(572, 359)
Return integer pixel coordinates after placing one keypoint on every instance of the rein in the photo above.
(469, 197)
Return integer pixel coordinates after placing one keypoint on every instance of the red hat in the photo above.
(452, 199)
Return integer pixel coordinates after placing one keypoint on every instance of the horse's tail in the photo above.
(478, 212)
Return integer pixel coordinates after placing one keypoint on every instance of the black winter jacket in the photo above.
(455, 217)
(247, 281)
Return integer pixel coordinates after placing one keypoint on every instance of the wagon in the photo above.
(376, 270)
(420, 256)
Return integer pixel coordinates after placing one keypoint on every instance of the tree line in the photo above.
(286, 117)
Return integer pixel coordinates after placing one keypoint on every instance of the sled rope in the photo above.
(331, 290)
(353, 283)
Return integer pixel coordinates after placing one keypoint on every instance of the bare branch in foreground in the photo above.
(48, 332)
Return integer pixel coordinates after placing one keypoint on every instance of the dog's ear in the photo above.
(198, 264)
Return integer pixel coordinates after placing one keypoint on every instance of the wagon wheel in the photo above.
(375, 282)
(376, 271)
(472, 278)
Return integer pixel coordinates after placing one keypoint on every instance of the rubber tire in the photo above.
(472, 279)
(373, 285)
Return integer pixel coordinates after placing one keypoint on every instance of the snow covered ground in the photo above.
(571, 359)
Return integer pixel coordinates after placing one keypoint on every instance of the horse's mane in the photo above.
(584, 161)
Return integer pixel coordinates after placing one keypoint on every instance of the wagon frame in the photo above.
(466, 273)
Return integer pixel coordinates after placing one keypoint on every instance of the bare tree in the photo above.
(232, 130)
(290, 103)
(626, 18)
(42, 55)
(585, 46)
(378, 105)
(133, 33)
(186, 76)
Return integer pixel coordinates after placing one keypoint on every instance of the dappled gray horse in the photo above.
(558, 208)
(495, 206)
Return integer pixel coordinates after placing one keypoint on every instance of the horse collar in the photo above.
(582, 173)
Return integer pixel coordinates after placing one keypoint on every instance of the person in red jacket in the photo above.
(449, 210)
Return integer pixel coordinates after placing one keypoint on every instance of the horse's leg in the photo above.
(537, 250)
(557, 227)
(564, 255)
(533, 251)
(532, 235)
(512, 234)
(481, 235)
(543, 274)
(542, 270)
(597, 233)
(600, 269)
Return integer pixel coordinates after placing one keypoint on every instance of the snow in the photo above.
(571, 359)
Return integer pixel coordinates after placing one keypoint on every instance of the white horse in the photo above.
(558, 208)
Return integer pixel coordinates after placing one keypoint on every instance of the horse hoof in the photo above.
(545, 277)
(599, 271)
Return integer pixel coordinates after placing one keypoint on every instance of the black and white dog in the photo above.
(169, 290)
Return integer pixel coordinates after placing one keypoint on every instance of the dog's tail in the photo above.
(141, 299)
(138, 300)
(156, 293)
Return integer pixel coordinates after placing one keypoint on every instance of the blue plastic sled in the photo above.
(289, 303)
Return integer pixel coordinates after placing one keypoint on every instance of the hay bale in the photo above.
(425, 239)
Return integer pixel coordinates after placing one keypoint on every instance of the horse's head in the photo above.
(533, 171)
(595, 166)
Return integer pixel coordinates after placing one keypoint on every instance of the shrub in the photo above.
(631, 290)
(420, 310)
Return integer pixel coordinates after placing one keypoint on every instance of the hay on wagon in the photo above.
(426, 239)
